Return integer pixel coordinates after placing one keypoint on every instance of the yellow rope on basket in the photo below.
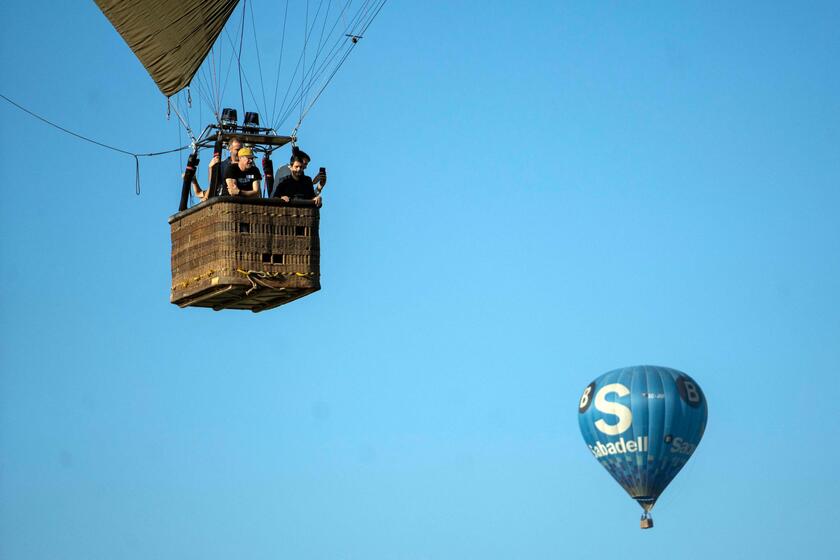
(272, 274)
(246, 273)
(192, 280)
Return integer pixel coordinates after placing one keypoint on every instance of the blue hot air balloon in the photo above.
(642, 424)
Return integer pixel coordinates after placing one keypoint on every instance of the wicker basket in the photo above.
(234, 253)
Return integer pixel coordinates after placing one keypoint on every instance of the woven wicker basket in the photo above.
(233, 253)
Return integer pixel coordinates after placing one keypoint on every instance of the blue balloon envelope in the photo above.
(642, 424)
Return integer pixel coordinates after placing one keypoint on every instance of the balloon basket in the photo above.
(256, 254)
(646, 522)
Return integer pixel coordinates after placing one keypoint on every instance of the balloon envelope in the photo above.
(170, 37)
(642, 424)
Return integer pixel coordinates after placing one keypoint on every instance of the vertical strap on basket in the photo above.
(268, 173)
(189, 173)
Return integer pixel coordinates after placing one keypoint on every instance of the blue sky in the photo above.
(520, 199)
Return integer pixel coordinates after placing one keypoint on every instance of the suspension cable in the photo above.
(184, 123)
(297, 99)
(239, 56)
(337, 68)
(259, 62)
(305, 41)
(247, 83)
(358, 26)
(279, 63)
(136, 156)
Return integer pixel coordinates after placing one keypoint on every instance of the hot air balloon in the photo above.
(642, 424)
(234, 252)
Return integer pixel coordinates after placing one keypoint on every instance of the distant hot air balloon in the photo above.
(642, 424)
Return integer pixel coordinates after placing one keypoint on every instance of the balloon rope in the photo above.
(239, 57)
(136, 156)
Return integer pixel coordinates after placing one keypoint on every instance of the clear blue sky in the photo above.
(520, 199)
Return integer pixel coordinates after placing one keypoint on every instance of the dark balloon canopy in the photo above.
(170, 37)
(642, 424)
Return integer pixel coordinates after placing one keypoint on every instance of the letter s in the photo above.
(675, 448)
(625, 416)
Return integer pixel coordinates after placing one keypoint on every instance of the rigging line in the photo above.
(179, 100)
(323, 67)
(311, 72)
(307, 33)
(205, 94)
(305, 41)
(343, 17)
(284, 109)
(259, 63)
(327, 64)
(339, 39)
(288, 89)
(200, 109)
(340, 42)
(213, 82)
(217, 75)
(360, 15)
(203, 72)
(181, 158)
(229, 68)
(335, 23)
(307, 73)
(253, 97)
(360, 20)
(239, 56)
(376, 13)
(316, 73)
(205, 80)
(180, 154)
(248, 85)
(85, 138)
(337, 68)
(221, 86)
(320, 38)
(103, 145)
(183, 122)
(370, 21)
(279, 63)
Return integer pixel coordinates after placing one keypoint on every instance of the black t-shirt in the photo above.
(244, 179)
(302, 188)
(225, 164)
(220, 189)
(279, 174)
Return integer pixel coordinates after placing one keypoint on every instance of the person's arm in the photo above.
(254, 192)
(232, 189)
(202, 195)
(316, 194)
(280, 190)
(197, 191)
(321, 181)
